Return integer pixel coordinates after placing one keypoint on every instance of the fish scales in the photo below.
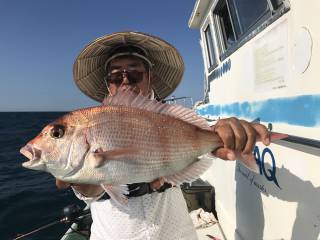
(140, 129)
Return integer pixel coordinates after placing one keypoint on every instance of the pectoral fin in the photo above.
(100, 157)
(117, 193)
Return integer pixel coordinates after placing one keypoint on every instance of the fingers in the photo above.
(239, 138)
(225, 153)
(251, 137)
(225, 132)
(247, 159)
(239, 133)
(234, 133)
(262, 133)
(157, 183)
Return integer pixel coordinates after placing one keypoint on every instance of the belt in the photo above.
(139, 189)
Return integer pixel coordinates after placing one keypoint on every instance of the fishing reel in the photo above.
(72, 213)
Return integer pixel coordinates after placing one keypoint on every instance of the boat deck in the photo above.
(213, 232)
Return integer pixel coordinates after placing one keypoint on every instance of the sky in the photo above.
(40, 39)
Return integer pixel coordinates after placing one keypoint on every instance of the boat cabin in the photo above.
(261, 63)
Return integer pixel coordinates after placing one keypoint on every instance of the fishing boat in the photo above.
(261, 64)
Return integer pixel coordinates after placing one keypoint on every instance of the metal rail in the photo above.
(303, 141)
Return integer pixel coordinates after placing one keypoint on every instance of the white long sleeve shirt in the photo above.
(156, 216)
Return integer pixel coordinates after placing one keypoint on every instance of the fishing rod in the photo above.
(175, 98)
(71, 213)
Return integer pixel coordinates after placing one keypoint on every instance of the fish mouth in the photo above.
(34, 156)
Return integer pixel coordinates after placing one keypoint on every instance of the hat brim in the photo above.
(89, 72)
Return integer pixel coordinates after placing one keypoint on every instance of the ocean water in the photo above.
(28, 199)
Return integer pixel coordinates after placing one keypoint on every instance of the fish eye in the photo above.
(57, 131)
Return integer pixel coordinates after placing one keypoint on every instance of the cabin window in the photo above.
(210, 48)
(235, 20)
(247, 13)
(224, 21)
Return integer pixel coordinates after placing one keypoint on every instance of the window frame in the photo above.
(221, 29)
(214, 53)
(267, 18)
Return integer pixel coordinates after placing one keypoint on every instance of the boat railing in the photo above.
(184, 101)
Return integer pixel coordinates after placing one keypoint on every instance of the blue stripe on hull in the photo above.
(300, 110)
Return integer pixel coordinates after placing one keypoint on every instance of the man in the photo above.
(148, 65)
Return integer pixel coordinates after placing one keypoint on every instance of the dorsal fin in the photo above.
(131, 99)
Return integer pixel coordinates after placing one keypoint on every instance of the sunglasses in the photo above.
(133, 76)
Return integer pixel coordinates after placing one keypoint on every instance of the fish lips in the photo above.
(34, 156)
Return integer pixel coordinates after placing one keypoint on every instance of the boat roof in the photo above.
(198, 13)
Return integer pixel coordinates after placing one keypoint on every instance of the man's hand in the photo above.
(157, 183)
(239, 138)
(88, 190)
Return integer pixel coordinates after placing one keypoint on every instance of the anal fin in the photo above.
(190, 173)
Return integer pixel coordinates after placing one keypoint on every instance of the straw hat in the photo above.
(89, 67)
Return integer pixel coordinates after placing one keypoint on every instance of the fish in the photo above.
(129, 139)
